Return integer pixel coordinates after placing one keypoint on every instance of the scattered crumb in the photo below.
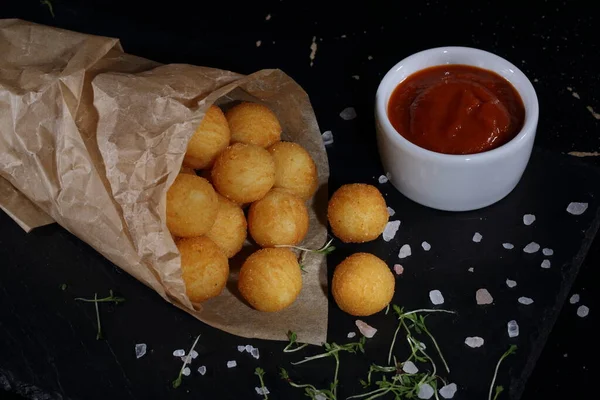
(425, 391)
(409, 367)
(483, 297)
(477, 237)
(262, 391)
(348, 113)
(186, 371)
(268, 17)
(584, 153)
(528, 219)
(351, 335)
(179, 353)
(545, 264)
(202, 370)
(510, 283)
(436, 297)
(365, 329)
(241, 349)
(474, 341)
(404, 251)
(577, 208)
(508, 246)
(471, 269)
(576, 95)
(594, 114)
(532, 247)
(448, 391)
(426, 246)
(547, 252)
(513, 328)
(391, 211)
(390, 230)
(140, 350)
(574, 299)
(525, 300)
(313, 50)
(383, 179)
(231, 364)
(327, 138)
(258, 43)
(369, 58)
(583, 311)
(398, 269)
(356, 77)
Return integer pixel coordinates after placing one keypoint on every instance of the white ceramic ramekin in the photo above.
(454, 182)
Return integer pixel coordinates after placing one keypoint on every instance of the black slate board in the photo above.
(48, 339)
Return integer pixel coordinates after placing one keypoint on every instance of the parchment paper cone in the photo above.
(93, 137)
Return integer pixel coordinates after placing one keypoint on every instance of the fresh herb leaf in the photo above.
(499, 389)
(292, 337)
(261, 373)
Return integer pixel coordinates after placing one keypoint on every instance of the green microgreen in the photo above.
(292, 337)
(499, 389)
(111, 298)
(261, 373)
(48, 4)
(186, 361)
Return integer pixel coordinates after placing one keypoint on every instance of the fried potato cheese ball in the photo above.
(229, 230)
(357, 213)
(211, 138)
(192, 206)
(295, 169)
(253, 123)
(270, 279)
(362, 285)
(279, 218)
(204, 266)
(243, 173)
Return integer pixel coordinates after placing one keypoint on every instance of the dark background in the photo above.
(555, 43)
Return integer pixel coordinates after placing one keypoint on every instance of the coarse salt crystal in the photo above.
(547, 252)
(409, 367)
(477, 237)
(574, 299)
(508, 246)
(388, 175)
(525, 300)
(474, 341)
(583, 311)
(249, 348)
(404, 251)
(262, 391)
(436, 297)
(471, 269)
(179, 353)
(255, 353)
(513, 328)
(425, 391)
(351, 335)
(268, 17)
(348, 113)
(510, 283)
(383, 179)
(398, 269)
(528, 219)
(320, 396)
(194, 354)
(258, 43)
(186, 371)
(448, 391)
(531, 248)
(426, 246)
(140, 350)
(327, 138)
(241, 349)
(365, 329)
(202, 370)
(356, 77)
(391, 211)
(369, 57)
(390, 230)
(231, 364)
(577, 208)
(545, 264)
(482, 296)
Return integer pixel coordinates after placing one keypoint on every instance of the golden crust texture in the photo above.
(230, 228)
(295, 169)
(210, 139)
(253, 123)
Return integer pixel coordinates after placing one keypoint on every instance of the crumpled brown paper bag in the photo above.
(93, 138)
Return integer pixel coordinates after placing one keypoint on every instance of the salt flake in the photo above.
(513, 328)
(474, 341)
(179, 353)
(391, 211)
(471, 269)
(140, 350)
(510, 283)
(547, 252)
(404, 251)
(532, 247)
(477, 237)
(262, 391)
(320, 396)
(268, 17)
(383, 179)
(545, 264)
(258, 43)
(482, 296)
(409, 367)
(390, 230)
(425, 391)
(508, 246)
(448, 391)
(356, 77)
(574, 299)
(426, 246)
(241, 349)
(365, 329)
(186, 371)
(525, 300)
(351, 335)
(202, 370)
(528, 219)
(577, 208)
(583, 311)
(231, 364)
(348, 113)
(255, 353)
(436, 297)
(398, 269)
(327, 138)
(249, 348)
